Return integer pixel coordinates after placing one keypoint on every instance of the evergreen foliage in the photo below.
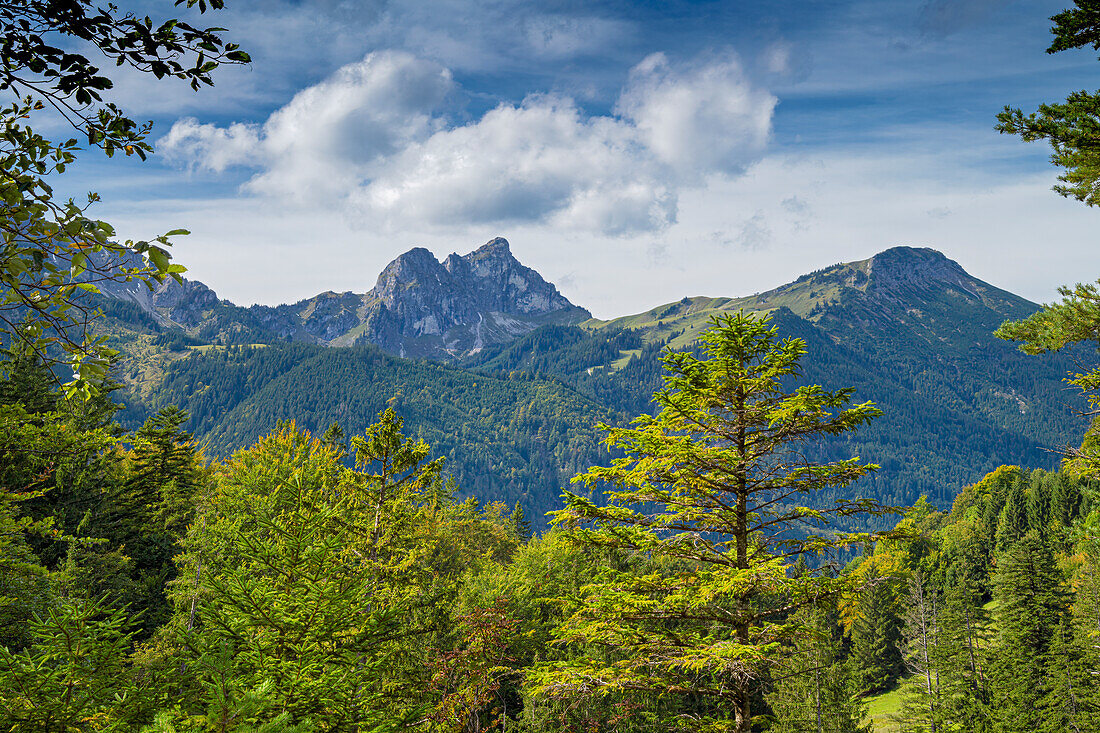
(517, 439)
(341, 583)
(1031, 604)
(714, 486)
(1058, 325)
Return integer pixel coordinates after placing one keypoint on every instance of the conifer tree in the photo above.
(165, 474)
(520, 524)
(715, 486)
(1086, 617)
(74, 676)
(335, 438)
(876, 638)
(1068, 703)
(1013, 522)
(813, 691)
(1065, 499)
(1031, 603)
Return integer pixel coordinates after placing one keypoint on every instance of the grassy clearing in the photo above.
(882, 708)
(624, 359)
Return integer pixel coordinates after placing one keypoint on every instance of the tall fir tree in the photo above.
(717, 487)
(1031, 603)
(1013, 521)
(876, 638)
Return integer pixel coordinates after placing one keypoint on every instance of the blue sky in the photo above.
(631, 152)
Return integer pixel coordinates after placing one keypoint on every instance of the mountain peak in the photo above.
(921, 266)
(416, 260)
(497, 247)
(917, 258)
(461, 304)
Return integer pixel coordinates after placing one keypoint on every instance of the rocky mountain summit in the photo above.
(418, 307)
(423, 307)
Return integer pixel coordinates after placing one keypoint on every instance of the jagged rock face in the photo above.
(461, 304)
(184, 302)
(330, 315)
(417, 296)
(506, 285)
(419, 306)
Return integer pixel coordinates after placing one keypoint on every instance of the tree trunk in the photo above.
(918, 584)
(744, 712)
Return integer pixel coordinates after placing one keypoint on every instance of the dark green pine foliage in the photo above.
(520, 524)
(1076, 660)
(29, 384)
(512, 438)
(1066, 500)
(1031, 602)
(165, 474)
(815, 691)
(1069, 703)
(335, 439)
(142, 518)
(1013, 521)
(75, 677)
(876, 638)
(1038, 506)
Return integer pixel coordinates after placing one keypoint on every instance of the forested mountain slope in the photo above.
(908, 329)
(517, 439)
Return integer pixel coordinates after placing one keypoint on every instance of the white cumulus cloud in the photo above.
(374, 139)
(209, 146)
(698, 120)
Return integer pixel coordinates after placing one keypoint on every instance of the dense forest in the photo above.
(289, 539)
(336, 582)
(516, 421)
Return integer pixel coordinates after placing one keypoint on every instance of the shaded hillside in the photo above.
(510, 439)
(908, 329)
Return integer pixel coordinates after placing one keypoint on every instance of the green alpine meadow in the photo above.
(466, 494)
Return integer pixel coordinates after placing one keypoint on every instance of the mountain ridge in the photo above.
(907, 328)
(417, 307)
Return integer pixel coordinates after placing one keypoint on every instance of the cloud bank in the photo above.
(379, 140)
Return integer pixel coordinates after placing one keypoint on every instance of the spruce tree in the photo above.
(1031, 602)
(876, 638)
(165, 474)
(1068, 702)
(520, 524)
(717, 487)
(75, 675)
(1013, 521)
